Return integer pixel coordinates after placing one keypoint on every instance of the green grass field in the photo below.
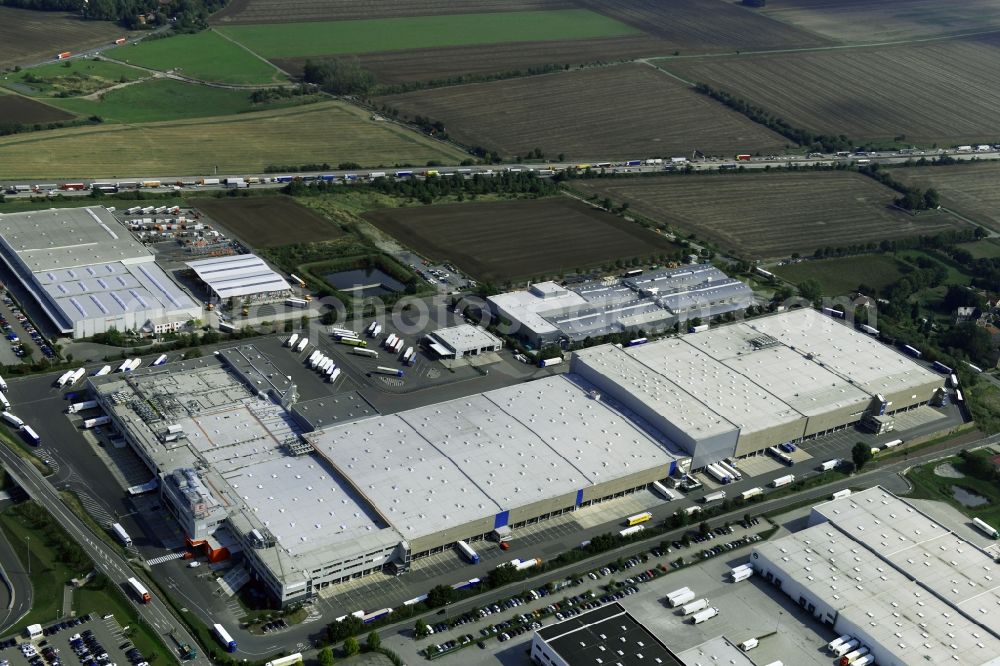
(840, 276)
(81, 77)
(206, 56)
(987, 248)
(928, 485)
(324, 132)
(334, 37)
(165, 99)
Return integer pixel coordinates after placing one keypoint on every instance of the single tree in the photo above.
(373, 641)
(351, 646)
(861, 454)
(325, 657)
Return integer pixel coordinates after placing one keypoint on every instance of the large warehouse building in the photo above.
(238, 280)
(874, 567)
(740, 388)
(316, 498)
(652, 301)
(89, 275)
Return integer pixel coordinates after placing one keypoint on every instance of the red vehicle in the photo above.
(73, 186)
(64, 55)
(742, 158)
(120, 40)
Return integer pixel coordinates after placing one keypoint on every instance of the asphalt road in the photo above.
(156, 613)
(170, 182)
(17, 593)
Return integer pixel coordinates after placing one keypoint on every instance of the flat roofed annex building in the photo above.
(89, 275)
(463, 340)
(739, 388)
(240, 279)
(874, 567)
(605, 636)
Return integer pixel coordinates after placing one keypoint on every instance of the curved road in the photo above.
(156, 613)
(17, 591)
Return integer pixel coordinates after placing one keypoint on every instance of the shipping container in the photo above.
(12, 420)
(681, 599)
(227, 641)
(140, 590)
(30, 435)
(638, 518)
(782, 481)
(942, 368)
(694, 606)
(467, 552)
(629, 531)
(837, 642)
(702, 616)
(985, 528)
(122, 535)
(751, 492)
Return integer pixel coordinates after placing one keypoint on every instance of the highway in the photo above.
(156, 613)
(174, 183)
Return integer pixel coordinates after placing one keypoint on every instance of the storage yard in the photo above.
(525, 238)
(248, 142)
(269, 221)
(968, 189)
(773, 214)
(940, 92)
(662, 115)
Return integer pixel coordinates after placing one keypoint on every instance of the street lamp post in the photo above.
(27, 540)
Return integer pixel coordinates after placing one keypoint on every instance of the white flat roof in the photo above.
(238, 275)
(466, 336)
(897, 613)
(525, 306)
(655, 391)
(435, 467)
(871, 365)
(739, 400)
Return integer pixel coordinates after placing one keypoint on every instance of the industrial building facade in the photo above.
(874, 567)
(89, 275)
(652, 301)
(738, 389)
(242, 279)
(463, 340)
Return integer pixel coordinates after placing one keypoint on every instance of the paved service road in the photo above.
(156, 613)
(17, 591)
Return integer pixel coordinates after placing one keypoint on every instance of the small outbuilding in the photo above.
(463, 340)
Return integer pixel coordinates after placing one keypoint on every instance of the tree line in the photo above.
(187, 15)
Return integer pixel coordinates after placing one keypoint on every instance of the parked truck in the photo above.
(121, 534)
(548, 362)
(681, 599)
(361, 351)
(717, 496)
(837, 642)
(96, 421)
(82, 406)
(840, 494)
(846, 647)
(782, 481)
(751, 492)
(302, 344)
(467, 552)
(382, 370)
(702, 616)
(677, 593)
(12, 420)
(694, 607)
(716, 473)
(853, 655)
(629, 531)
(729, 469)
(829, 464)
(985, 528)
(742, 575)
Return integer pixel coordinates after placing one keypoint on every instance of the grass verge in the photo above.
(927, 484)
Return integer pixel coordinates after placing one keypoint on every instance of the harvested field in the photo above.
(391, 67)
(525, 239)
(766, 215)
(706, 26)
(325, 132)
(968, 189)
(28, 36)
(839, 277)
(867, 21)
(284, 11)
(937, 92)
(15, 109)
(628, 111)
(269, 221)
(321, 38)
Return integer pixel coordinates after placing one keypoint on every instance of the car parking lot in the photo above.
(20, 334)
(88, 640)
